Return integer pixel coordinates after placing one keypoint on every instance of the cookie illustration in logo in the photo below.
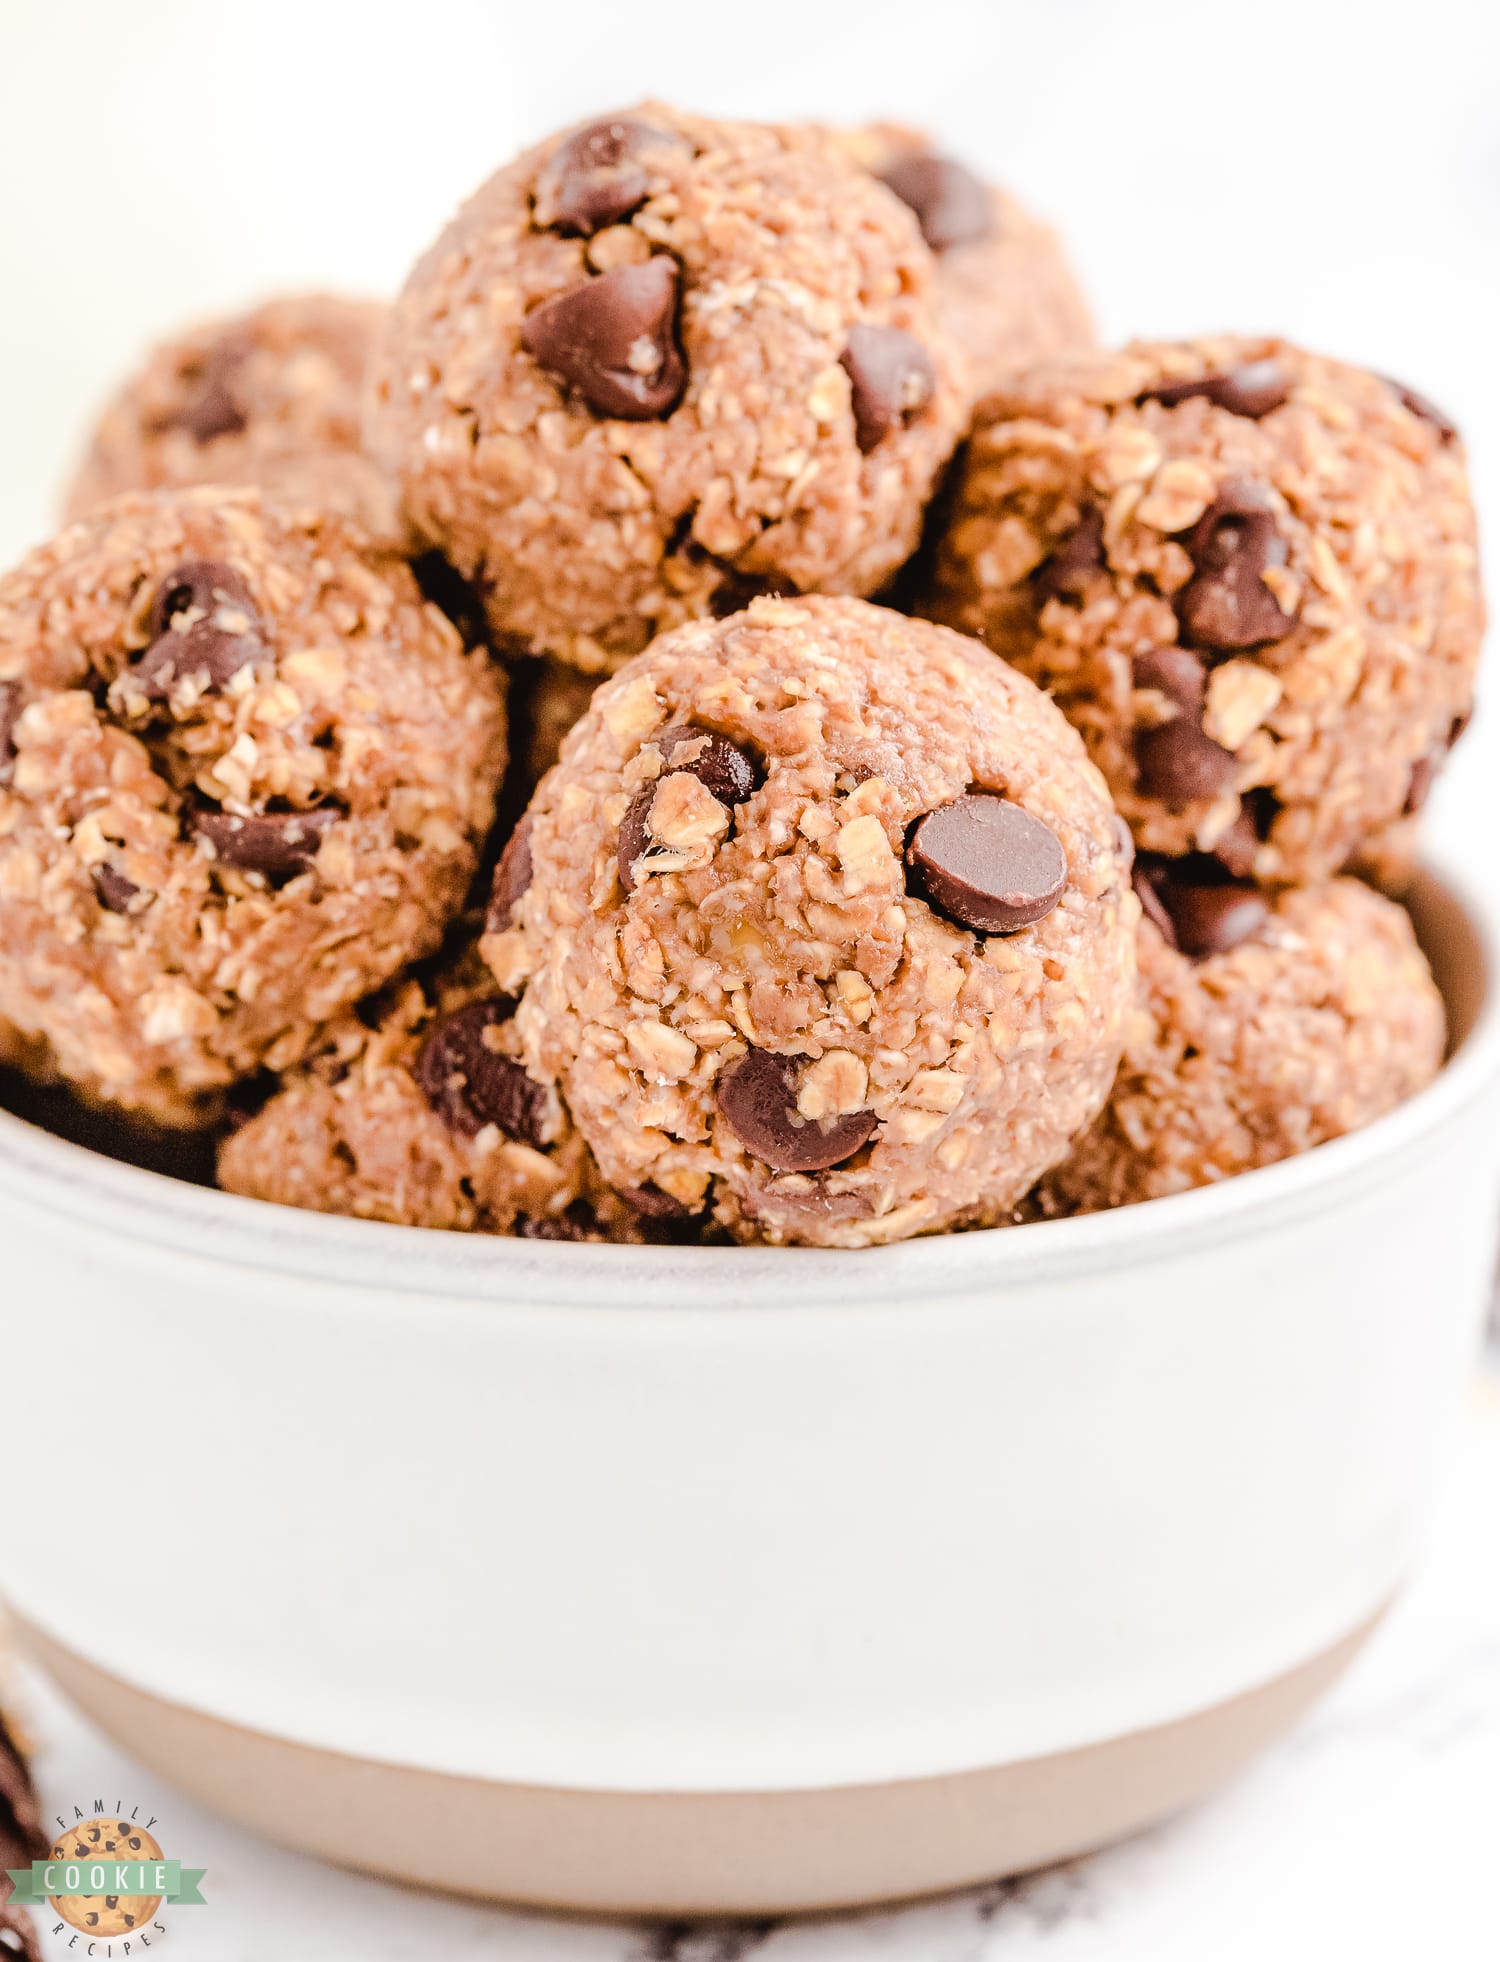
(106, 1915)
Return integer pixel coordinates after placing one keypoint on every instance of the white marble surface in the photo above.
(1370, 1832)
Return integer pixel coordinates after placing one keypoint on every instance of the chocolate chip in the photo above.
(718, 764)
(10, 711)
(204, 626)
(278, 843)
(1425, 410)
(952, 206)
(1066, 574)
(470, 1085)
(113, 890)
(635, 835)
(595, 178)
(212, 409)
(1145, 881)
(651, 1201)
(1424, 772)
(1214, 919)
(987, 863)
(577, 1221)
(1419, 787)
(1227, 603)
(615, 339)
(512, 876)
(1175, 760)
(1252, 389)
(1195, 908)
(891, 380)
(758, 1096)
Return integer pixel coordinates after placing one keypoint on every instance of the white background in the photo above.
(1328, 170)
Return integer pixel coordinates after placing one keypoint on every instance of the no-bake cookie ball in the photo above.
(1266, 1024)
(420, 1112)
(1246, 573)
(660, 364)
(270, 398)
(244, 770)
(1006, 291)
(824, 923)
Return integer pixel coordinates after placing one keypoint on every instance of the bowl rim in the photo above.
(129, 1202)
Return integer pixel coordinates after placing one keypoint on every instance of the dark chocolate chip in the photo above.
(1066, 574)
(1195, 908)
(891, 380)
(512, 876)
(212, 409)
(1425, 771)
(1252, 389)
(278, 843)
(635, 835)
(651, 1201)
(1427, 411)
(595, 178)
(719, 765)
(988, 864)
(204, 624)
(1146, 881)
(615, 339)
(470, 1085)
(577, 1221)
(113, 890)
(952, 206)
(1227, 603)
(1175, 760)
(1214, 919)
(10, 711)
(1419, 787)
(758, 1096)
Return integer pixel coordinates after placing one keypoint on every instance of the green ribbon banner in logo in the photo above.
(93, 1879)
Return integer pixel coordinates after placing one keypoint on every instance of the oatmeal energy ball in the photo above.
(1246, 573)
(824, 921)
(659, 364)
(427, 1118)
(1265, 1026)
(243, 773)
(1005, 289)
(271, 398)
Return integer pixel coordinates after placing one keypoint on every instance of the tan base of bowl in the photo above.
(749, 1853)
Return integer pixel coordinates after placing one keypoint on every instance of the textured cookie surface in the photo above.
(1304, 1017)
(243, 773)
(270, 398)
(825, 924)
(1006, 291)
(426, 1117)
(1246, 573)
(659, 364)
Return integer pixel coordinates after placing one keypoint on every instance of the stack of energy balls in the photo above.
(1054, 884)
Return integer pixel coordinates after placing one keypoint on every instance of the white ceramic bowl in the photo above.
(720, 1580)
